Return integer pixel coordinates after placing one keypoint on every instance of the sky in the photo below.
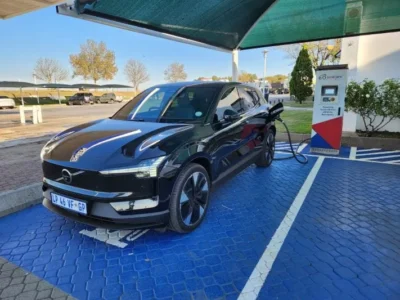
(45, 34)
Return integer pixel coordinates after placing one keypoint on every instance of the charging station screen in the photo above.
(329, 90)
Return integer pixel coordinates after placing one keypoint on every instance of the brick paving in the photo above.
(20, 166)
(18, 284)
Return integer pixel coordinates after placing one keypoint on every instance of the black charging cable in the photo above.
(295, 154)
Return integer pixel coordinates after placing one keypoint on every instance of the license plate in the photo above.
(69, 203)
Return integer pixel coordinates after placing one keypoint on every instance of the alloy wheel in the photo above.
(193, 199)
(270, 149)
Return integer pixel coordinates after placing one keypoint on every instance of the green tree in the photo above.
(276, 78)
(94, 62)
(247, 77)
(215, 78)
(301, 77)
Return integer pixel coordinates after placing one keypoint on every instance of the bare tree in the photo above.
(320, 52)
(175, 72)
(50, 70)
(136, 73)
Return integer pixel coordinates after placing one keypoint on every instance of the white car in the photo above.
(6, 102)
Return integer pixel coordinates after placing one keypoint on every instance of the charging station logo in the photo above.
(326, 77)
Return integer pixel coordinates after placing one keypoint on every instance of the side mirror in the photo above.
(230, 116)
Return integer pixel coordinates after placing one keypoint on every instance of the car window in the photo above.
(191, 104)
(229, 103)
(146, 106)
(247, 99)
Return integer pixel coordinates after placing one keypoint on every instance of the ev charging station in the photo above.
(327, 122)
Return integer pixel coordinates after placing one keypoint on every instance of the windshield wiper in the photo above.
(138, 120)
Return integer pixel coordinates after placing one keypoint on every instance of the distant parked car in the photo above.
(56, 98)
(6, 102)
(108, 98)
(81, 99)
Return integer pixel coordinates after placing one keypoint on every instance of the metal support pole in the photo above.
(37, 94)
(235, 65)
(22, 97)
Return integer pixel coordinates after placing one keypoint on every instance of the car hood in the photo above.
(106, 143)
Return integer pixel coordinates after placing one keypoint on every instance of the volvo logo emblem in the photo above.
(66, 175)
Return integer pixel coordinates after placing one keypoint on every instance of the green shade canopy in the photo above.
(15, 84)
(246, 24)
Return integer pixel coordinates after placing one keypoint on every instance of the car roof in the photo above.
(219, 84)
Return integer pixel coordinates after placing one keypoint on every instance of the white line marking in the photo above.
(395, 162)
(353, 151)
(360, 160)
(113, 238)
(264, 265)
(132, 238)
(367, 150)
(280, 143)
(301, 148)
(378, 153)
(381, 157)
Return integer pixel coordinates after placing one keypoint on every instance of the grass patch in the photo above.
(296, 121)
(297, 104)
(33, 101)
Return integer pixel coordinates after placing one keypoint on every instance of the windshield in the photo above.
(164, 104)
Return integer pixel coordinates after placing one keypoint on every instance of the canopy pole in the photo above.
(235, 65)
(22, 97)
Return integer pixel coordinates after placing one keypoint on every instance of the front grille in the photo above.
(92, 180)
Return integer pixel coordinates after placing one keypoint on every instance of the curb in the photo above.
(17, 142)
(19, 199)
(350, 141)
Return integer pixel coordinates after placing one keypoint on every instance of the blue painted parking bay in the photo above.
(343, 244)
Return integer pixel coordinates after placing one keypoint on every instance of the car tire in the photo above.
(187, 212)
(268, 150)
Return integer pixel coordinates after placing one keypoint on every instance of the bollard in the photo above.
(22, 114)
(39, 114)
(34, 115)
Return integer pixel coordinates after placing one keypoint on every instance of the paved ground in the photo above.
(18, 284)
(326, 230)
(20, 166)
(55, 119)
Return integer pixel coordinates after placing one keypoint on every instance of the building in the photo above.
(376, 57)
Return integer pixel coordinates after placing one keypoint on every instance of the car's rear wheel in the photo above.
(268, 150)
(189, 199)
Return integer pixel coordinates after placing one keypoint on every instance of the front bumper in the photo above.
(101, 214)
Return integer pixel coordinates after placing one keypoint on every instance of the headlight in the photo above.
(146, 168)
(46, 149)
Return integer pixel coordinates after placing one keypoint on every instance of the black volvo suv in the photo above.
(153, 163)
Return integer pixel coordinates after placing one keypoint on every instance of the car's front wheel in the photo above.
(189, 199)
(268, 150)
